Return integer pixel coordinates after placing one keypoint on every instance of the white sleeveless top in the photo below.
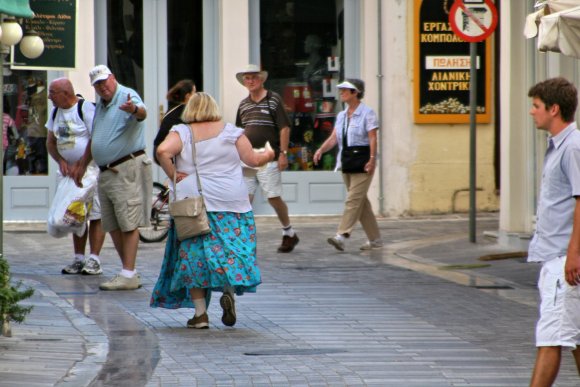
(218, 162)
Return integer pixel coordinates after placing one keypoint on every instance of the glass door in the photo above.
(26, 183)
(173, 53)
(302, 45)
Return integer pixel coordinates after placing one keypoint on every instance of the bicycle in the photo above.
(160, 218)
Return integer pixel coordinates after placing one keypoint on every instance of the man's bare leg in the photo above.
(547, 366)
(96, 237)
(126, 244)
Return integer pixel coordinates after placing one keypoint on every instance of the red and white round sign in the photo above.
(473, 20)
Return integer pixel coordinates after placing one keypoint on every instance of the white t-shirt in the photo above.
(72, 134)
(218, 162)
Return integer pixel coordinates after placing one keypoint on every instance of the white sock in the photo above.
(79, 257)
(96, 258)
(200, 307)
(288, 230)
(128, 273)
(340, 237)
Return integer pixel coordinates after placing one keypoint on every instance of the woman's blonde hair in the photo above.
(201, 107)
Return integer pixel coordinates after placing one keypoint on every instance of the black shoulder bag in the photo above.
(353, 158)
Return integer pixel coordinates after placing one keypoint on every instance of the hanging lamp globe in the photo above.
(11, 32)
(31, 45)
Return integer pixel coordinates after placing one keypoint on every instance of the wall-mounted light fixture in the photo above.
(31, 45)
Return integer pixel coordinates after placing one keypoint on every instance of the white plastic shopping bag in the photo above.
(71, 205)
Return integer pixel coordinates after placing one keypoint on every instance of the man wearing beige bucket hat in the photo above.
(264, 119)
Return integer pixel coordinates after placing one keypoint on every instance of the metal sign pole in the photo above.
(472, 137)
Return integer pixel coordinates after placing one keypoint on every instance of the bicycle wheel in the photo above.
(160, 218)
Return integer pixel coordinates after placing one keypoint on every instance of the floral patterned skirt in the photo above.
(224, 257)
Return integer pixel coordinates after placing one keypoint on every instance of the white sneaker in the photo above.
(370, 245)
(74, 268)
(91, 267)
(337, 243)
(122, 283)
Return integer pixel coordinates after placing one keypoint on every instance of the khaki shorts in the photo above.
(559, 323)
(125, 195)
(269, 178)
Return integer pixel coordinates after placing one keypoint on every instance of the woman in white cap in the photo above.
(355, 133)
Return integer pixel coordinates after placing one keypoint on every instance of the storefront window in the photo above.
(24, 119)
(125, 42)
(184, 42)
(301, 48)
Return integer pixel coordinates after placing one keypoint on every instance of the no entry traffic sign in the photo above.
(473, 20)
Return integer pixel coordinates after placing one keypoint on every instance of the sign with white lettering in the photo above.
(442, 64)
(55, 21)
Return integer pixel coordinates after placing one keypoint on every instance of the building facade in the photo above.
(307, 47)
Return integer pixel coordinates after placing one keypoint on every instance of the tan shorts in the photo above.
(125, 195)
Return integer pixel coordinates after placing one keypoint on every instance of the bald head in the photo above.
(62, 93)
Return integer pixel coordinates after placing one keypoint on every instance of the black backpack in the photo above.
(79, 108)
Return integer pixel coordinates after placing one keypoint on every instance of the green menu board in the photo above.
(55, 21)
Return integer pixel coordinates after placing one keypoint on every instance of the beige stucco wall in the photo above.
(423, 165)
(234, 53)
(440, 172)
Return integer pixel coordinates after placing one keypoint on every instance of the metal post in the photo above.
(472, 137)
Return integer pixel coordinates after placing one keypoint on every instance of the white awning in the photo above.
(559, 26)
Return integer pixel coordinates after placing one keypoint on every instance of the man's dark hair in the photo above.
(557, 91)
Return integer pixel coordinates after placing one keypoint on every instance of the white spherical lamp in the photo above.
(31, 45)
(11, 32)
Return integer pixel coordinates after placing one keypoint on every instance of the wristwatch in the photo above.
(285, 153)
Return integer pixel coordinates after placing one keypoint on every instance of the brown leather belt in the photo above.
(120, 161)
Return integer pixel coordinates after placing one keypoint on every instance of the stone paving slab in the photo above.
(390, 317)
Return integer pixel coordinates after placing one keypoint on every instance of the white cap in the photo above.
(251, 69)
(347, 85)
(99, 73)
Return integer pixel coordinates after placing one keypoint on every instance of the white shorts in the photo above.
(95, 213)
(269, 178)
(559, 322)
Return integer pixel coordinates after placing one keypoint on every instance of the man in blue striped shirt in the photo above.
(556, 241)
(125, 182)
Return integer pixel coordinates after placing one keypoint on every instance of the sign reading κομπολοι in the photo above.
(442, 68)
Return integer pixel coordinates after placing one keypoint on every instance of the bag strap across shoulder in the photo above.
(194, 164)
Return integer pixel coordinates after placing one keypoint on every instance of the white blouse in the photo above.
(218, 163)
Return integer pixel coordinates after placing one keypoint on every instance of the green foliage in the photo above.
(11, 295)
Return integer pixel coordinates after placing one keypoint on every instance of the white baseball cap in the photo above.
(99, 73)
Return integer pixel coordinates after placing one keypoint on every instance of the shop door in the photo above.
(173, 53)
(150, 45)
(301, 45)
(29, 173)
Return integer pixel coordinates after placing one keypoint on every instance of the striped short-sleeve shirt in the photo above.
(263, 120)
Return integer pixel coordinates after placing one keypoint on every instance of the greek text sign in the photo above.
(55, 21)
(442, 68)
